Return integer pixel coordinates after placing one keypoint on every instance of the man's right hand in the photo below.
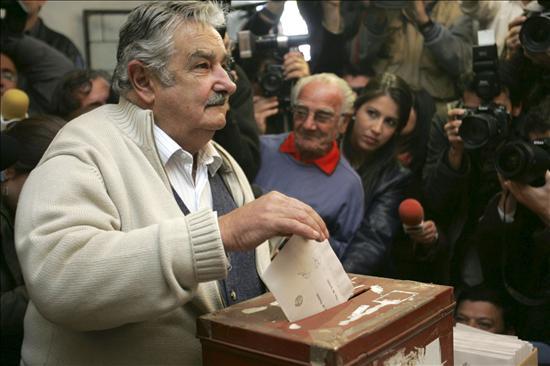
(536, 199)
(273, 214)
(264, 108)
(451, 128)
(513, 43)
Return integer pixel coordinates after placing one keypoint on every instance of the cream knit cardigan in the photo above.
(116, 274)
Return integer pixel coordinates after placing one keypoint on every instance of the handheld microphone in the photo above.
(14, 106)
(411, 214)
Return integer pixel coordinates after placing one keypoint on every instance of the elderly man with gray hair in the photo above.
(306, 164)
(135, 223)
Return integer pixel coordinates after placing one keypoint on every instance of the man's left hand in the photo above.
(428, 235)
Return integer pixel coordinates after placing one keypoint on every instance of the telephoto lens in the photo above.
(535, 33)
(523, 162)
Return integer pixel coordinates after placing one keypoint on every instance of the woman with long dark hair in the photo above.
(381, 112)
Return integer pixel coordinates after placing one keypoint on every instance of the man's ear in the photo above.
(142, 81)
(343, 124)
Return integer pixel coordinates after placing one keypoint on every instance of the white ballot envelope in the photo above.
(306, 278)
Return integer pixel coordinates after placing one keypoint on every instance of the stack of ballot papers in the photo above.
(306, 278)
(474, 346)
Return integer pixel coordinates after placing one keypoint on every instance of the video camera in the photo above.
(273, 47)
(524, 162)
(535, 32)
(488, 122)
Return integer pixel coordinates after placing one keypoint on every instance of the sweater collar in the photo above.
(138, 123)
(327, 163)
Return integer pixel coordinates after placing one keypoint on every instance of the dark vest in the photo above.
(242, 281)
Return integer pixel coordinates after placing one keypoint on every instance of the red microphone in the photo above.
(411, 214)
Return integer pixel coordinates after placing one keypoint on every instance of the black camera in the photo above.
(268, 51)
(485, 123)
(535, 32)
(524, 162)
(272, 81)
(488, 122)
(248, 43)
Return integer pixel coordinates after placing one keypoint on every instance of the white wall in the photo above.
(66, 16)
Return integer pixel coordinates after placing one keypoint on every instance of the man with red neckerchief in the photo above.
(307, 164)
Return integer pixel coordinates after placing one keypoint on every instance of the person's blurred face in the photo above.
(482, 315)
(317, 120)
(375, 123)
(471, 100)
(91, 96)
(194, 108)
(356, 82)
(33, 6)
(8, 74)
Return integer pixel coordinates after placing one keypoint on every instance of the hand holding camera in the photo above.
(295, 66)
(452, 131)
(513, 42)
(263, 109)
(535, 198)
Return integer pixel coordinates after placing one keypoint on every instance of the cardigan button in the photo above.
(233, 295)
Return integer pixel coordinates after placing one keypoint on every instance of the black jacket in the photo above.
(370, 250)
(457, 198)
(516, 257)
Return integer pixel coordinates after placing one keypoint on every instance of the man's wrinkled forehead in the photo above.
(201, 41)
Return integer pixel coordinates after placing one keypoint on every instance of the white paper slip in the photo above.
(306, 278)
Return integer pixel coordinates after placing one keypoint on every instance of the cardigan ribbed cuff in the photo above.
(206, 243)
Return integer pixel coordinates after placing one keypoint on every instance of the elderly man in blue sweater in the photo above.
(306, 164)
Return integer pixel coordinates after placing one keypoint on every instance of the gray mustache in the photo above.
(218, 98)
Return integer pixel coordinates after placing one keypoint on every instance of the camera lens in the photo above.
(475, 130)
(271, 83)
(522, 162)
(535, 33)
(511, 160)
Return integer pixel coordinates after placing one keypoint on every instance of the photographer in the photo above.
(513, 235)
(273, 64)
(528, 49)
(459, 181)
(529, 33)
(269, 110)
(427, 43)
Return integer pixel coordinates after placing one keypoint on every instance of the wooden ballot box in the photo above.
(393, 322)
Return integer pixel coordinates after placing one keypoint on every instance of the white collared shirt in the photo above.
(178, 164)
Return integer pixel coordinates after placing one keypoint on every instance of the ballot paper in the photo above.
(306, 278)
(474, 346)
